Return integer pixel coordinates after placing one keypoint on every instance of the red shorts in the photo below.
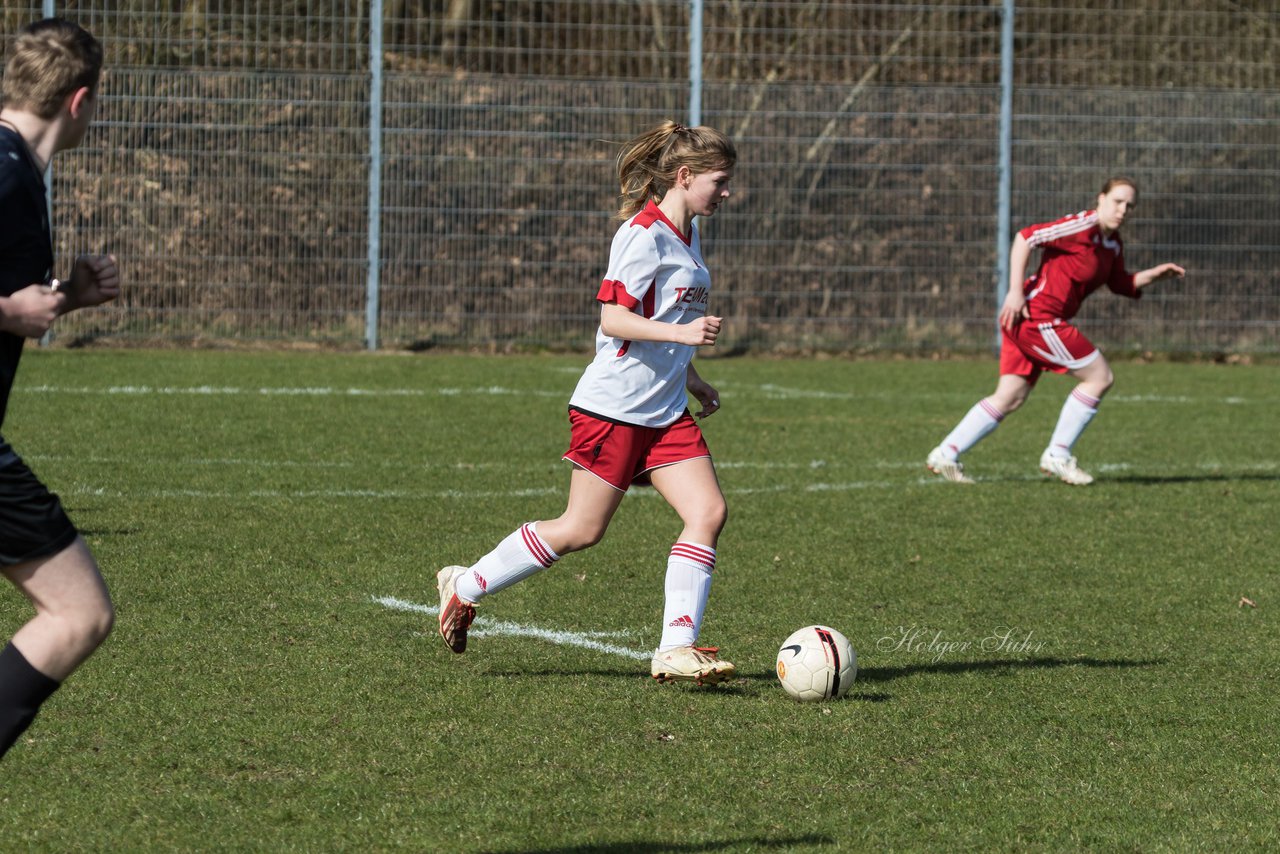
(621, 454)
(1051, 345)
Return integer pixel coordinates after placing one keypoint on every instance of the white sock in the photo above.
(688, 585)
(977, 423)
(516, 558)
(1077, 412)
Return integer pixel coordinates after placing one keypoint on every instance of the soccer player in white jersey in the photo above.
(1080, 253)
(628, 416)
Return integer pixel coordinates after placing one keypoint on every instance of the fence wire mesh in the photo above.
(230, 166)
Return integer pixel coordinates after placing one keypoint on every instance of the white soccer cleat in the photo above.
(697, 664)
(952, 470)
(1064, 469)
(455, 615)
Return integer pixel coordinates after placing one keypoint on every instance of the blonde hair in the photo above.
(48, 61)
(647, 165)
(1119, 181)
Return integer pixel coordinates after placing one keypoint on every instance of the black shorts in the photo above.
(32, 522)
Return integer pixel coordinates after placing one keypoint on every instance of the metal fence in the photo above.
(231, 167)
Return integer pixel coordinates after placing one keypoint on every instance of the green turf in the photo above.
(255, 696)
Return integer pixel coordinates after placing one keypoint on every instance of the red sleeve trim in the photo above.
(611, 291)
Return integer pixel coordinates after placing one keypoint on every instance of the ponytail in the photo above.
(647, 165)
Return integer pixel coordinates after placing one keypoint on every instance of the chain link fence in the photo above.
(230, 168)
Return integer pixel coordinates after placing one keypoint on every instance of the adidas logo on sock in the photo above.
(685, 622)
(484, 585)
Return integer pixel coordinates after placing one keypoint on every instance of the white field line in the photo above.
(637, 494)
(463, 494)
(487, 627)
(393, 494)
(768, 391)
(398, 465)
(288, 391)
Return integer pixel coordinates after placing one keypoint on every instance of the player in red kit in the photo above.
(628, 415)
(1080, 253)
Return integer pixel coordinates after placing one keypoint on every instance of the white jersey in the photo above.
(654, 272)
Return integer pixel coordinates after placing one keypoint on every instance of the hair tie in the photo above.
(678, 127)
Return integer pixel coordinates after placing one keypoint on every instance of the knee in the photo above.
(1099, 384)
(1012, 404)
(90, 626)
(83, 626)
(719, 516)
(1008, 403)
(710, 518)
(579, 537)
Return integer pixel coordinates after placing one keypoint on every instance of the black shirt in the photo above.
(26, 242)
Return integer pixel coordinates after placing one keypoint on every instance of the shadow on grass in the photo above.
(888, 674)
(1157, 480)
(109, 532)
(872, 675)
(750, 843)
(1137, 479)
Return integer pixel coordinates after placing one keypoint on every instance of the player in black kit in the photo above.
(50, 91)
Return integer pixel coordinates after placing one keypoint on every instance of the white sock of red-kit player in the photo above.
(977, 423)
(688, 585)
(516, 558)
(1077, 412)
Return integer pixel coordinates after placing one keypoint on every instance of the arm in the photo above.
(95, 279)
(616, 321)
(1155, 274)
(703, 391)
(1014, 310)
(30, 312)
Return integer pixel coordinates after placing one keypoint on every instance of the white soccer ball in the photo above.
(817, 663)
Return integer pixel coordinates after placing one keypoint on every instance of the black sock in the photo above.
(23, 689)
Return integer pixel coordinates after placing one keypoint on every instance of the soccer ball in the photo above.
(817, 663)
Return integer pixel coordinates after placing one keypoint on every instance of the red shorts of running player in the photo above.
(1049, 345)
(624, 454)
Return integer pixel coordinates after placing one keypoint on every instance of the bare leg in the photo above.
(1081, 405)
(982, 418)
(73, 616)
(73, 610)
(1011, 392)
(693, 491)
(1095, 378)
(586, 517)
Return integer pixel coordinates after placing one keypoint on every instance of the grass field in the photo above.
(1041, 667)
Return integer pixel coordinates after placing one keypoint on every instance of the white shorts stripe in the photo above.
(1060, 355)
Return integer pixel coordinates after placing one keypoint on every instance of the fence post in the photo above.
(1006, 160)
(47, 338)
(373, 285)
(695, 63)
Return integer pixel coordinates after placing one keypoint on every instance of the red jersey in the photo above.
(1076, 260)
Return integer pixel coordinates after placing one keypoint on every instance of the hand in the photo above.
(1167, 271)
(700, 333)
(1014, 311)
(30, 312)
(706, 395)
(95, 279)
